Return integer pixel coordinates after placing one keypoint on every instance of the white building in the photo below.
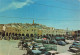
(59, 32)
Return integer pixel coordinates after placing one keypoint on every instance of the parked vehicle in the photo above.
(36, 52)
(47, 53)
(60, 38)
(52, 52)
(76, 42)
(38, 40)
(69, 41)
(53, 42)
(61, 43)
(64, 54)
(70, 38)
(75, 46)
(40, 44)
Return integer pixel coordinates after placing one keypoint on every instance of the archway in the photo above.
(9, 34)
(27, 35)
(6, 34)
(13, 34)
(3, 33)
(31, 35)
(22, 34)
(16, 34)
(0, 33)
(49, 34)
(19, 34)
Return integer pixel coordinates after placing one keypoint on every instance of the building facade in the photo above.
(29, 30)
(59, 32)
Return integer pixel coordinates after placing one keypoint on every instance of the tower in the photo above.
(33, 21)
(67, 32)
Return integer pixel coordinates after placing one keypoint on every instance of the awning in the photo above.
(62, 37)
(58, 37)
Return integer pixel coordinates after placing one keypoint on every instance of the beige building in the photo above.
(11, 31)
(29, 30)
(59, 32)
(47, 31)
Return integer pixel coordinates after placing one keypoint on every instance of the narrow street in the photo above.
(64, 49)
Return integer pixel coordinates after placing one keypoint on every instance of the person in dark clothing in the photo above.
(19, 44)
(25, 45)
(33, 47)
(9, 37)
(29, 51)
(22, 42)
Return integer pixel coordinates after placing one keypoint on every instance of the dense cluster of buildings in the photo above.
(29, 30)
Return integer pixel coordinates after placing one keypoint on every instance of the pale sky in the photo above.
(60, 14)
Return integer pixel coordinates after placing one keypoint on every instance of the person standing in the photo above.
(22, 42)
(29, 51)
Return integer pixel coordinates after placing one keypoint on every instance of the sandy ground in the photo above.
(10, 48)
(64, 49)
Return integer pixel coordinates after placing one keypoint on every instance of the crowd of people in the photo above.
(23, 44)
(12, 37)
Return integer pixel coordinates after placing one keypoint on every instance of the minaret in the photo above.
(33, 22)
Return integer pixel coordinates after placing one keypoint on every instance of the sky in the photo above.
(60, 14)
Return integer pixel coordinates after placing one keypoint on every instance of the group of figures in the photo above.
(23, 44)
(13, 37)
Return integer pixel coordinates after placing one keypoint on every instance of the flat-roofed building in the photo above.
(59, 32)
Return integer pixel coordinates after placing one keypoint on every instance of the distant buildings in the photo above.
(76, 33)
(59, 32)
(29, 30)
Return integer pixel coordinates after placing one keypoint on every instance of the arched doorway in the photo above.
(9, 34)
(31, 35)
(22, 34)
(16, 34)
(49, 34)
(6, 34)
(13, 34)
(19, 34)
(0, 33)
(27, 35)
(3, 33)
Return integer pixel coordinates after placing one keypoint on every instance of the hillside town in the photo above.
(31, 30)
(39, 27)
(38, 39)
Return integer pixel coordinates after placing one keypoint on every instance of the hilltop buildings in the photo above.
(29, 30)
